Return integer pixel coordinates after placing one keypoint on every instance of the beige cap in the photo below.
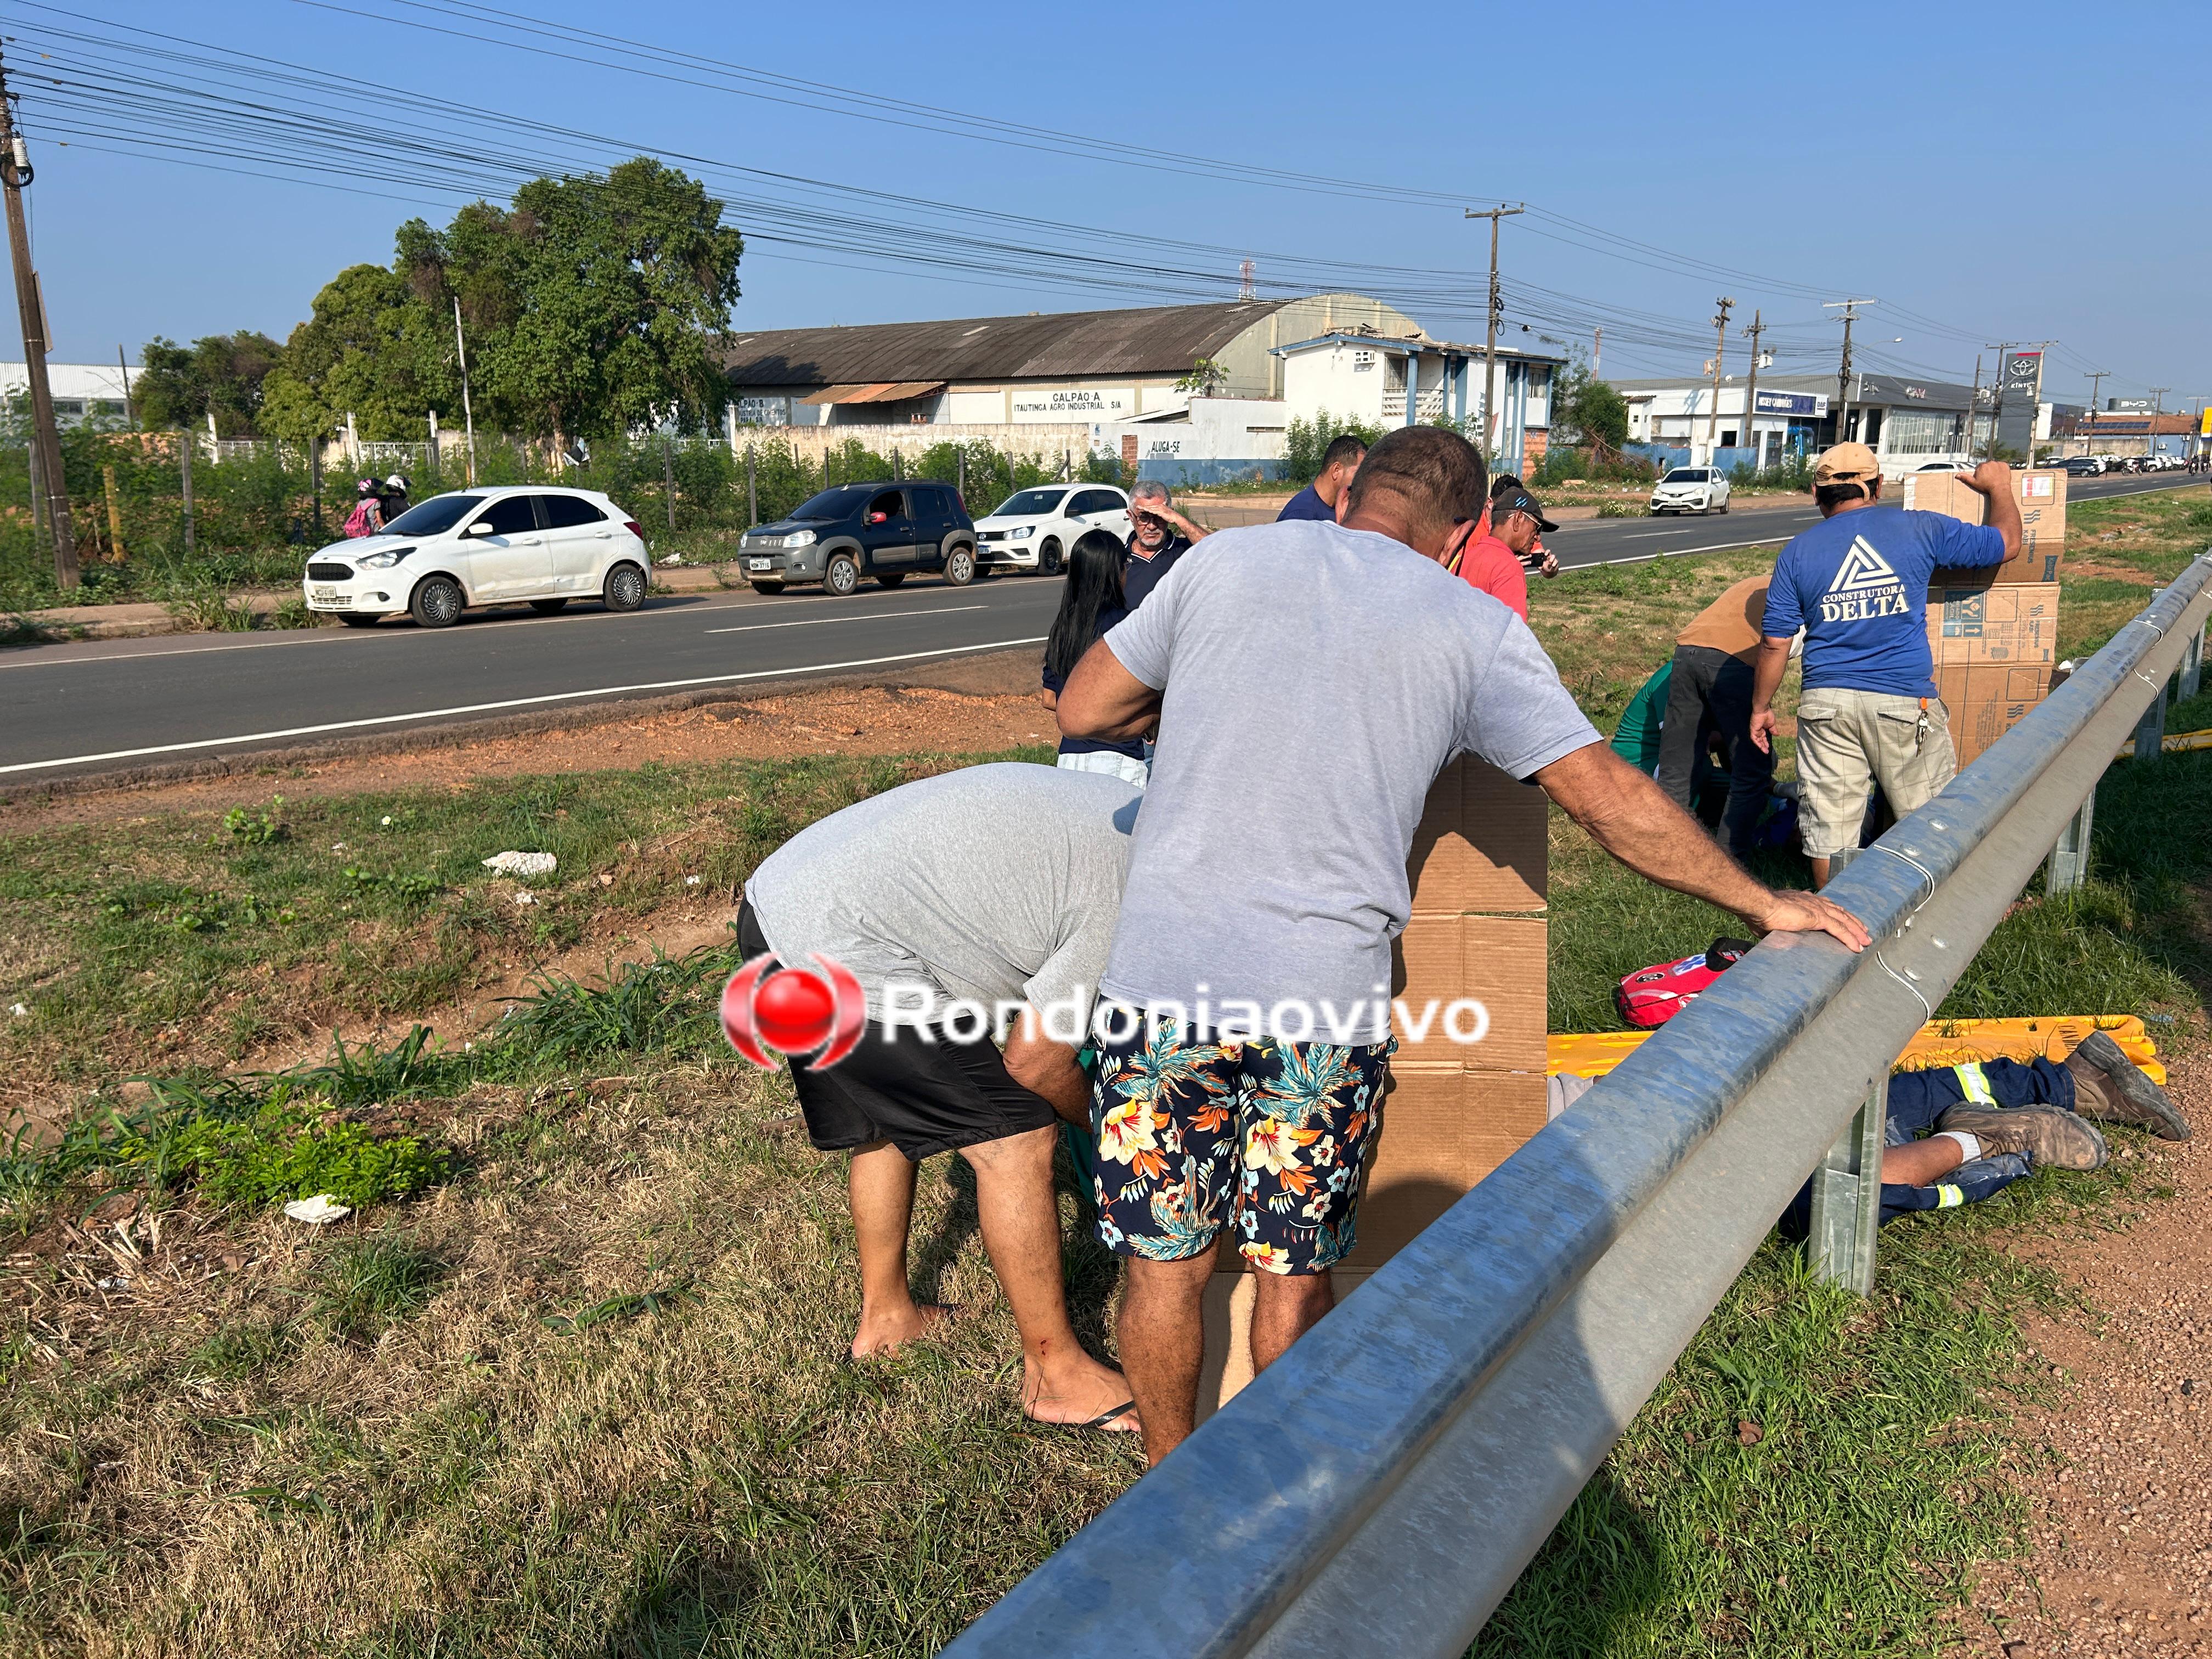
(1847, 463)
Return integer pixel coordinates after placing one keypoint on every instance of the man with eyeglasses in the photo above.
(1498, 562)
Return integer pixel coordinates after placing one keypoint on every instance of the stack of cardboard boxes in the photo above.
(1454, 1111)
(1995, 633)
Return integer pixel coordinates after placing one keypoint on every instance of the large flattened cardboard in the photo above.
(2042, 498)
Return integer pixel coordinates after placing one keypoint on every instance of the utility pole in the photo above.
(14, 173)
(2096, 377)
(1849, 308)
(1720, 346)
(1597, 350)
(129, 414)
(1974, 406)
(2150, 439)
(468, 415)
(1996, 410)
(1490, 335)
(1750, 435)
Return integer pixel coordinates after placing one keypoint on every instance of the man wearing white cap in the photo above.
(1858, 584)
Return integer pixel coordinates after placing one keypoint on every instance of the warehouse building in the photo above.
(1907, 423)
(82, 391)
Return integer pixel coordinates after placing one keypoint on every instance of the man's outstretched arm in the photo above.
(1628, 815)
(1104, 700)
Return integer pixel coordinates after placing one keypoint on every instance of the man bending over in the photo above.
(997, 884)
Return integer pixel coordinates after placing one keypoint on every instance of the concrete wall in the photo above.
(808, 442)
(1221, 439)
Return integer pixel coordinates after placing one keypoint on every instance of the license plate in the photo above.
(327, 596)
(756, 564)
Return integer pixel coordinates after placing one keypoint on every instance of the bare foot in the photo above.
(1075, 1393)
(887, 1332)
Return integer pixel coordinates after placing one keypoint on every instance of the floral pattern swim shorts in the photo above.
(1264, 1136)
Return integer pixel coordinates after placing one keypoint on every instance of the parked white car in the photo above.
(527, 543)
(1691, 489)
(1033, 529)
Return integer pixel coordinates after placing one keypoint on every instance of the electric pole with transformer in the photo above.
(16, 172)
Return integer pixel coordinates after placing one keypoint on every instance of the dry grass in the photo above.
(201, 1459)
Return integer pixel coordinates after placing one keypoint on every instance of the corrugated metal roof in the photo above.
(1147, 340)
(880, 391)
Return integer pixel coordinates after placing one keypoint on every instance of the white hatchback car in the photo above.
(524, 544)
(1691, 489)
(1033, 529)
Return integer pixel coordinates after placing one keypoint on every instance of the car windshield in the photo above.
(1028, 501)
(434, 517)
(1685, 475)
(838, 503)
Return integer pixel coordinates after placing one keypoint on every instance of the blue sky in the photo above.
(1989, 173)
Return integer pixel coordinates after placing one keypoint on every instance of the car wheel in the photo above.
(1047, 563)
(1724, 503)
(625, 588)
(352, 621)
(889, 578)
(959, 567)
(841, 575)
(767, 588)
(437, 601)
(547, 607)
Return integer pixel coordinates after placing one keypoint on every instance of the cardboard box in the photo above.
(2042, 498)
(1444, 1129)
(1985, 703)
(1496, 961)
(1481, 843)
(1968, 626)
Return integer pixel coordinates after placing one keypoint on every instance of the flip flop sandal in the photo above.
(1127, 1407)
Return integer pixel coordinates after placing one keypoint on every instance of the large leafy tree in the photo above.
(223, 373)
(594, 304)
(372, 351)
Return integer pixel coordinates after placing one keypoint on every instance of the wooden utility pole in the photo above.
(14, 173)
(1849, 308)
(1974, 406)
(1490, 333)
(124, 363)
(1750, 435)
(1720, 345)
(2150, 444)
(468, 414)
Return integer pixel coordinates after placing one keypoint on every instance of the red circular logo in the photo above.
(793, 1011)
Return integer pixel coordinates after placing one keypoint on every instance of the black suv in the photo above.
(886, 530)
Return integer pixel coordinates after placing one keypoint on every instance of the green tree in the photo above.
(1591, 411)
(178, 386)
(371, 350)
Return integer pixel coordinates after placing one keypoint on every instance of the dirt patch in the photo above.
(2120, 1561)
(973, 705)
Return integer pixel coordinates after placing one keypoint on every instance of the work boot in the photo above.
(2109, 1086)
(2059, 1140)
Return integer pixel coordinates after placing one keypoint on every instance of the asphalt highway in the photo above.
(109, 705)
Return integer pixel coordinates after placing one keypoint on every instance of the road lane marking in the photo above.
(514, 703)
(866, 616)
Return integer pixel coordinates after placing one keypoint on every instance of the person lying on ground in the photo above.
(1090, 604)
(1309, 680)
(997, 884)
(1858, 584)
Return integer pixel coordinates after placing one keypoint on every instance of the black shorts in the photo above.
(923, 1092)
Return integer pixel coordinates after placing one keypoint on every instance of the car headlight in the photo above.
(384, 561)
(1021, 533)
(800, 538)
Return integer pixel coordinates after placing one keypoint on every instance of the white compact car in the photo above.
(527, 543)
(1691, 489)
(1033, 529)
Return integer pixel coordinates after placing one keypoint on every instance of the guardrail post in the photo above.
(1847, 1198)
(2150, 731)
(2068, 866)
(2192, 666)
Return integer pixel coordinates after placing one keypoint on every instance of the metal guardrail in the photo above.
(1379, 1488)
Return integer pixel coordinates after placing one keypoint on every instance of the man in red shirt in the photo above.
(1495, 562)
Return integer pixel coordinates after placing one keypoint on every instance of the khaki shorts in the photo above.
(1847, 742)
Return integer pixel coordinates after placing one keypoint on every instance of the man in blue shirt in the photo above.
(1858, 584)
(1318, 500)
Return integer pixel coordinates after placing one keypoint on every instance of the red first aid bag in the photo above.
(1652, 996)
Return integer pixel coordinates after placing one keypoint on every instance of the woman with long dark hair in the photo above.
(1090, 604)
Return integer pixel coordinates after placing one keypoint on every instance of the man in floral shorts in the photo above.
(1310, 681)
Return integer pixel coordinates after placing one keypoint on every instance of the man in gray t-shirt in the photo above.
(1310, 681)
(994, 887)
